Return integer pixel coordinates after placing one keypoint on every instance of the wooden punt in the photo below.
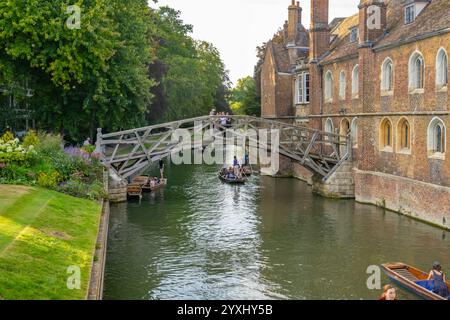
(144, 181)
(412, 279)
(141, 180)
(134, 190)
(231, 181)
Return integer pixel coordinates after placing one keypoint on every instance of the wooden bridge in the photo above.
(130, 152)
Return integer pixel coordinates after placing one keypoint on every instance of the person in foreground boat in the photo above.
(438, 278)
(231, 175)
(389, 293)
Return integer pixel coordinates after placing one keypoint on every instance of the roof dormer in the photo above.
(413, 8)
(354, 32)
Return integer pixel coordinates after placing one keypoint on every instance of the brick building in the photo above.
(380, 76)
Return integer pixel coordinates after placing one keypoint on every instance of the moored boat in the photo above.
(412, 279)
(141, 180)
(134, 190)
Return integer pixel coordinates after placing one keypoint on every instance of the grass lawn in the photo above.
(42, 233)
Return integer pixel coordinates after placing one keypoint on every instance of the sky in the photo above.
(237, 27)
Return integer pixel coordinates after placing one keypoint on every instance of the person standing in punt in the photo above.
(439, 282)
(161, 168)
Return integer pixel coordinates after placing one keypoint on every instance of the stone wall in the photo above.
(424, 201)
(284, 171)
(340, 185)
(117, 188)
(301, 173)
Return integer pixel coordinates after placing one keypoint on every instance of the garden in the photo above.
(49, 215)
(42, 160)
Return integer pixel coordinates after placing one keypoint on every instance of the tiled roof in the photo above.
(435, 17)
(281, 57)
(341, 45)
(280, 52)
(302, 39)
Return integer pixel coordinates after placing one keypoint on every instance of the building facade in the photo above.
(380, 76)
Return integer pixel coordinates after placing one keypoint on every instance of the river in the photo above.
(269, 239)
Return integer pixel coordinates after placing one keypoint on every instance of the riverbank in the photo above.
(47, 241)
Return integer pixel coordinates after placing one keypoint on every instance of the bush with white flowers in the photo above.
(13, 152)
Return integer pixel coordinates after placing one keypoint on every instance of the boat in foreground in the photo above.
(412, 279)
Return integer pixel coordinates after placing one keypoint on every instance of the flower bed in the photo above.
(42, 160)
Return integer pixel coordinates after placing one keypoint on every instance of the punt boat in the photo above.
(231, 181)
(134, 190)
(412, 279)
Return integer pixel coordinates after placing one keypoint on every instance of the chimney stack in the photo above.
(295, 17)
(372, 20)
(319, 31)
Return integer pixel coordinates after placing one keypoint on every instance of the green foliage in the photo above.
(192, 75)
(107, 73)
(49, 180)
(49, 145)
(49, 166)
(50, 151)
(12, 152)
(89, 149)
(244, 99)
(30, 139)
(78, 188)
(86, 78)
(16, 174)
(7, 136)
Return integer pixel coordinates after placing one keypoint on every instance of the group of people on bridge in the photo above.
(224, 119)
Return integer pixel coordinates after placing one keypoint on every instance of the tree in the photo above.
(244, 99)
(83, 78)
(190, 73)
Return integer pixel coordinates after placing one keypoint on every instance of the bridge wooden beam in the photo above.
(305, 145)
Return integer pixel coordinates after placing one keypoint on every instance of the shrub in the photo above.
(30, 139)
(50, 180)
(89, 149)
(12, 152)
(42, 160)
(8, 136)
(13, 173)
(97, 191)
(50, 151)
(78, 188)
(49, 144)
(74, 187)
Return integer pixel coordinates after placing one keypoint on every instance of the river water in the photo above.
(270, 239)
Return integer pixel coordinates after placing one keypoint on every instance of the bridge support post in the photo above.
(117, 188)
(285, 168)
(340, 185)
